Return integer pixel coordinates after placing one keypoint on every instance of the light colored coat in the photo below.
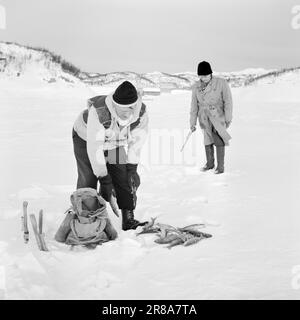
(99, 138)
(212, 107)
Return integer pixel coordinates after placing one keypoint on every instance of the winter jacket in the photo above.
(212, 106)
(98, 126)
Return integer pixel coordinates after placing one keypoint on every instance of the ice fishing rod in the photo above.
(186, 140)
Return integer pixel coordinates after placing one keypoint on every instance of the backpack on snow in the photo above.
(86, 222)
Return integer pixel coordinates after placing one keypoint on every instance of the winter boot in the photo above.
(220, 159)
(128, 221)
(210, 160)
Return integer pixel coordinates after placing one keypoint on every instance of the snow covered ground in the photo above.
(252, 210)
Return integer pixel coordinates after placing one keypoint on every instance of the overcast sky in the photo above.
(158, 35)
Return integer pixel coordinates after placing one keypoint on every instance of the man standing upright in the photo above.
(108, 137)
(212, 106)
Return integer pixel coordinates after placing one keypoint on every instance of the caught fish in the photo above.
(165, 229)
(173, 236)
(165, 226)
(167, 239)
(152, 227)
(187, 236)
(198, 233)
(174, 243)
(192, 241)
(149, 227)
(114, 206)
(150, 230)
(150, 224)
(193, 226)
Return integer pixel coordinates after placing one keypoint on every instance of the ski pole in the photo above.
(186, 140)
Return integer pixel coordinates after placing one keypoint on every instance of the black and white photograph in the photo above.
(150, 150)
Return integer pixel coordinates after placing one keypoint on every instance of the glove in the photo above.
(193, 128)
(106, 187)
(227, 123)
(133, 177)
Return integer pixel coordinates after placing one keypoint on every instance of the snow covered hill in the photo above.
(35, 64)
(183, 80)
(23, 61)
(280, 85)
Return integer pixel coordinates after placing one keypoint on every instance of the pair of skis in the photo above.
(36, 227)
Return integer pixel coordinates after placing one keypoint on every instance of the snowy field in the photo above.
(252, 210)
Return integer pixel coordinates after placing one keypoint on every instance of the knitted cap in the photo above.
(125, 94)
(204, 69)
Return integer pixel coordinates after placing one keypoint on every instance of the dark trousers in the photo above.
(126, 197)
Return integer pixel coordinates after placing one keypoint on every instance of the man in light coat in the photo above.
(108, 137)
(212, 106)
